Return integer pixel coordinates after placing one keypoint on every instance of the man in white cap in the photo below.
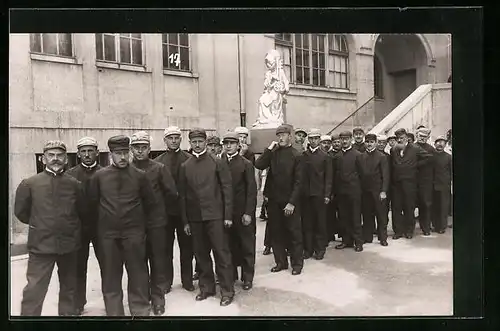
(326, 143)
(173, 157)
(316, 194)
(87, 153)
(300, 138)
(425, 180)
(244, 148)
(52, 204)
(442, 186)
(165, 190)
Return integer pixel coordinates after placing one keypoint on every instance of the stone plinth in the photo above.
(261, 139)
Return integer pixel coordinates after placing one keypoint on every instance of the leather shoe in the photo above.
(441, 231)
(204, 295)
(307, 255)
(278, 268)
(267, 251)
(189, 287)
(358, 248)
(226, 301)
(426, 233)
(247, 285)
(196, 276)
(79, 311)
(397, 236)
(319, 256)
(342, 246)
(384, 243)
(158, 310)
(168, 289)
(368, 241)
(296, 272)
(408, 236)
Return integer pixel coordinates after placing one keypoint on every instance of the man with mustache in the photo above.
(165, 190)
(87, 153)
(442, 185)
(213, 146)
(125, 203)
(333, 206)
(52, 204)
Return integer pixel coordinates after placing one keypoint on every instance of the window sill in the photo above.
(53, 58)
(321, 92)
(180, 73)
(121, 66)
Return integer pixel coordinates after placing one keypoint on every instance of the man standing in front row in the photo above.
(242, 233)
(87, 153)
(51, 203)
(206, 194)
(172, 159)
(359, 144)
(123, 197)
(165, 190)
(442, 186)
(284, 188)
(425, 181)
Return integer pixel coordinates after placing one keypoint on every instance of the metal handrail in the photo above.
(350, 115)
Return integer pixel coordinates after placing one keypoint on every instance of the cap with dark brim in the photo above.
(411, 135)
(400, 132)
(371, 136)
(345, 134)
(355, 130)
(213, 140)
(119, 142)
(54, 144)
(197, 133)
(335, 136)
(284, 128)
(231, 136)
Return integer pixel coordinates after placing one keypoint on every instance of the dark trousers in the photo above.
(285, 231)
(332, 220)
(81, 267)
(350, 218)
(267, 236)
(424, 204)
(242, 245)
(440, 208)
(175, 228)
(38, 274)
(130, 252)
(314, 224)
(156, 248)
(373, 207)
(207, 236)
(403, 207)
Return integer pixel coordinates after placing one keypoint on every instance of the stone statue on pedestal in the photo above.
(276, 85)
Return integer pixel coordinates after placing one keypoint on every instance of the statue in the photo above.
(276, 85)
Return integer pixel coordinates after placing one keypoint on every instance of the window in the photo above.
(52, 43)
(119, 47)
(378, 78)
(176, 51)
(315, 59)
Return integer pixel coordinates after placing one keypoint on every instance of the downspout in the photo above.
(241, 85)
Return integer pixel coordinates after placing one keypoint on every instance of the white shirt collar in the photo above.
(200, 154)
(230, 157)
(313, 149)
(345, 150)
(176, 151)
(369, 151)
(52, 172)
(90, 166)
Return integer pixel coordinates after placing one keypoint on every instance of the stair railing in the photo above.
(352, 114)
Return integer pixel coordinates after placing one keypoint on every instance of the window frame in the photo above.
(72, 56)
(117, 37)
(179, 46)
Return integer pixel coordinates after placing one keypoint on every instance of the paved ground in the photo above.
(409, 277)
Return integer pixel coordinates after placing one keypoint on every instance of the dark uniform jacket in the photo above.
(425, 171)
(442, 171)
(205, 189)
(360, 147)
(284, 178)
(318, 173)
(244, 186)
(173, 160)
(405, 168)
(162, 182)
(250, 156)
(348, 171)
(299, 147)
(124, 201)
(52, 205)
(375, 172)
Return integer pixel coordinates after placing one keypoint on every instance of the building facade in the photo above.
(65, 86)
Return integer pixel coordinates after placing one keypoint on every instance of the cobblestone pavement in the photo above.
(409, 277)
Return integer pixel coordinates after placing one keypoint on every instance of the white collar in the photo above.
(90, 166)
(313, 149)
(176, 151)
(52, 172)
(345, 150)
(200, 154)
(230, 157)
(369, 151)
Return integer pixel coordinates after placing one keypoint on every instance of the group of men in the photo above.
(133, 209)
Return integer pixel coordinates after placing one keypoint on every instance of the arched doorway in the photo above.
(400, 66)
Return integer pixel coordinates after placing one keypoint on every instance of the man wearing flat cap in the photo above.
(325, 143)
(375, 184)
(172, 158)
(244, 148)
(213, 146)
(242, 233)
(125, 202)
(87, 153)
(359, 143)
(442, 185)
(317, 189)
(406, 159)
(392, 141)
(348, 170)
(300, 138)
(333, 226)
(284, 184)
(52, 204)
(165, 190)
(206, 193)
(425, 179)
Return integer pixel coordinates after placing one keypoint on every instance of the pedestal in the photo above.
(261, 139)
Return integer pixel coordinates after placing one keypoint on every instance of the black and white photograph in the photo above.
(230, 174)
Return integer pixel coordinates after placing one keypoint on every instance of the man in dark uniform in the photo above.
(382, 146)
(325, 143)
(242, 233)
(359, 143)
(126, 203)
(442, 185)
(172, 159)
(406, 158)
(333, 207)
(300, 138)
(284, 186)
(348, 170)
(206, 193)
(424, 183)
(165, 190)
(52, 204)
(87, 153)
(317, 188)
(375, 184)
(214, 146)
